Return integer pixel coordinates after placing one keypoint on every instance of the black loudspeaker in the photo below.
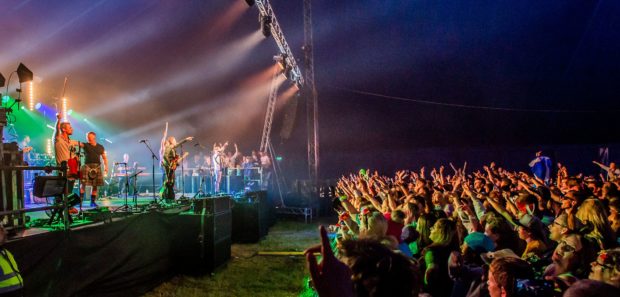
(12, 184)
(212, 205)
(246, 223)
(212, 249)
(251, 217)
(218, 239)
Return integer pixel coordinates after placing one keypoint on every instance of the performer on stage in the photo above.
(94, 154)
(218, 164)
(170, 160)
(64, 149)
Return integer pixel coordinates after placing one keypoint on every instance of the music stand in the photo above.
(54, 186)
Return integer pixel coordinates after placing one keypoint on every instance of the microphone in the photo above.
(120, 163)
(143, 140)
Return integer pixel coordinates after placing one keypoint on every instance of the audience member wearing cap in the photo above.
(504, 237)
(531, 231)
(569, 262)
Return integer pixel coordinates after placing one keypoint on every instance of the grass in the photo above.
(248, 274)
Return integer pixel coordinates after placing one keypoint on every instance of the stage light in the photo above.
(250, 2)
(5, 99)
(64, 108)
(24, 74)
(265, 25)
(281, 60)
(31, 95)
(279, 158)
(23, 107)
(48, 146)
(37, 106)
(86, 120)
(69, 112)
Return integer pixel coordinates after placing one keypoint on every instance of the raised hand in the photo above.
(331, 277)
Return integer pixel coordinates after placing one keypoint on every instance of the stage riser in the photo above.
(124, 258)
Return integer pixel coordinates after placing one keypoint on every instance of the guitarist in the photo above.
(170, 159)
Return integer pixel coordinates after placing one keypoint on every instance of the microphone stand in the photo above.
(182, 174)
(153, 158)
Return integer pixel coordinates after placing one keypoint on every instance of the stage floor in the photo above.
(111, 204)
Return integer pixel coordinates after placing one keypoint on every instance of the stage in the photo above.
(116, 252)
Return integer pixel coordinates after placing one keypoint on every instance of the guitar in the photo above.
(175, 162)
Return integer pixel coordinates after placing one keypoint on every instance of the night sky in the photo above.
(392, 76)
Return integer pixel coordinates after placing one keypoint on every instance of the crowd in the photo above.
(491, 232)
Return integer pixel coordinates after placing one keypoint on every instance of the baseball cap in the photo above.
(503, 253)
(479, 242)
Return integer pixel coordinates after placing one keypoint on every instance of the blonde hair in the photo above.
(376, 227)
(446, 229)
(593, 213)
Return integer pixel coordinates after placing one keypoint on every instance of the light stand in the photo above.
(153, 158)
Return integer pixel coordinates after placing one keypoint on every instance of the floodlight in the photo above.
(24, 74)
(265, 25)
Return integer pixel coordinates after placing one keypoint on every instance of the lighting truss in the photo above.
(265, 9)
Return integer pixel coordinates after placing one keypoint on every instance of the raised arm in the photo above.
(163, 141)
(186, 139)
(606, 168)
(57, 127)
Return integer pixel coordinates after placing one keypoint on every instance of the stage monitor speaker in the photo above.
(49, 186)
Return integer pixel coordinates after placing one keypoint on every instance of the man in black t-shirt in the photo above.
(94, 153)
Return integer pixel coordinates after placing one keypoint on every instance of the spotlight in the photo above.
(24, 74)
(265, 25)
(249, 2)
(37, 106)
(69, 112)
(281, 60)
